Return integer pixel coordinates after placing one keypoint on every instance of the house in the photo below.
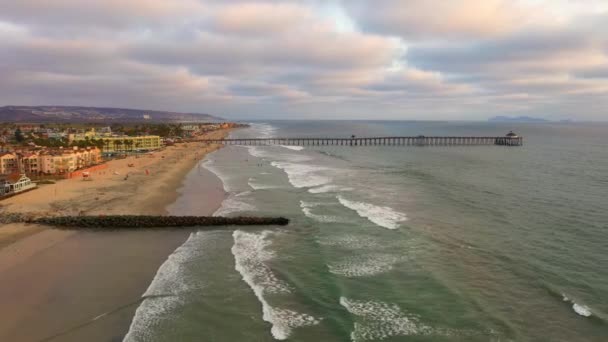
(15, 184)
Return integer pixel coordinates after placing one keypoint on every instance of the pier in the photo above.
(510, 139)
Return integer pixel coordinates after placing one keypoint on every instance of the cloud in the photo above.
(110, 14)
(420, 19)
(263, 18)
(409, 59)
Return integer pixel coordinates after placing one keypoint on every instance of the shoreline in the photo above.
(94, 279)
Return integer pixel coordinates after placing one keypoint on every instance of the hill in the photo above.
(42, 114)
(516, 119)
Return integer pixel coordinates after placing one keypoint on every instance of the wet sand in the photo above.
(61, 285)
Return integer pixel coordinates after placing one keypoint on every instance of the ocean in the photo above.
(393, 243)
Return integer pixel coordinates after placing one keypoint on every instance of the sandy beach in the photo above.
(85, 286)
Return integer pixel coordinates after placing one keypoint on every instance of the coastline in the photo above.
(79, 286)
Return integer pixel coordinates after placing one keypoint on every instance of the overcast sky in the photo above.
(349, 59)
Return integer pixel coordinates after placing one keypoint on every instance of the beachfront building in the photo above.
(89, 135)
(60, 161)
(8, 163)
(28, 163)
(15, 184)
(128, 144)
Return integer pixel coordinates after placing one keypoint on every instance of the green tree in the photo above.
(19, 135)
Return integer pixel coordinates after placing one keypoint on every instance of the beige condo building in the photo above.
(128, 144)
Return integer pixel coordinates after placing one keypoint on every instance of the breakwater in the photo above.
(137, 221)
(510, 139)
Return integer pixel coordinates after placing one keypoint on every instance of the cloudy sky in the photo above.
(349, 59)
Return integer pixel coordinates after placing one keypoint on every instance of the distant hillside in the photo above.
(516, 119)
(42, 114)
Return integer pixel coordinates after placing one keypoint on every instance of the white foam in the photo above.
(264, 130)
(163, 294)
(257, 152)
(251, 253)
(303, 175)
(328, 188)
(306, 209)
(148, 315)
(364, 265)
(352, 242)
(321, 218)
(208, 164)
(234, 204)
(305, 204)
(255, 185)
(378, 320)
(382, 216)
(580, 309)
(293, 148)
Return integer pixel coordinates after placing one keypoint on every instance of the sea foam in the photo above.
(303, 175)
(328, 188)
(164, 294)
(251, 253)
(382, 216)
(234, 204)
(364, 265)
(293, 148)
(580, 309)
(209, 165)
(256, 185)
(306, 209)
(378, 321)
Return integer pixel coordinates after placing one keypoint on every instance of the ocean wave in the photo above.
(382, 216)
(234, 204)
(264, 130)
(306, 209)
(251, 253)
(364, 265)
(208, 164)
(257, 152)
(352, 242)
(328, 188)
(293, 148)
(303, 175)
(378, 320)
(148, 315)
(307, 204)
(580, 309)
(259, 186)
(164, 292)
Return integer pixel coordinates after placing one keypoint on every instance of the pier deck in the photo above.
(375, 141)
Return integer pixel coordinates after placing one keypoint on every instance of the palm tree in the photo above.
(117, 145)
(126, 143)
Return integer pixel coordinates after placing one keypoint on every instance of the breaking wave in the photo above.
(580, 309)
(382, 216)
(303, 175)
(251, 253)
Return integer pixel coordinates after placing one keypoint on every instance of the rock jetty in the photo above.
(136, 221)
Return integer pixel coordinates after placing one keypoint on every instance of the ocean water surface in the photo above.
(392, 243)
